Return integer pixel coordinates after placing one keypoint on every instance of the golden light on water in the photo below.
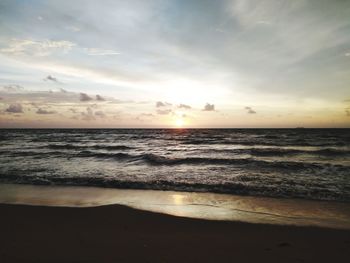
(178, 199)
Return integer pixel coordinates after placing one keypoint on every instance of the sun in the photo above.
(179, 122)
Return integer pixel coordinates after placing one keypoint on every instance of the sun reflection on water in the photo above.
(178, 199)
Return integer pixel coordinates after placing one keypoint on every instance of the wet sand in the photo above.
(115, 233)
(208, 206)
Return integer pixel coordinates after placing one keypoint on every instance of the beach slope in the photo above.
(121, 234)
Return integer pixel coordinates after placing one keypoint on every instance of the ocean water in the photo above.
(290, 163)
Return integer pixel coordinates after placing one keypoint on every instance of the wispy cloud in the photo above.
(250, 110)
(162, 104)
(146, 115)
(39, 48)
(88, 115)
(100, 114)
(73, 28)
(44, 111)
(164, 112)
(12, 88)
(100, 52)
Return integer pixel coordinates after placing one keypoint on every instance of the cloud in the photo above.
(43, 111)
(347, 111)
(100, 114)
(88, 115)
(40, 97)
(100, 52)
(162, 104)
(61, 96)
(12, 88)
(250, 110)
(99, 98)
(41, 48)
(73, 28)
(15, 108)
(164, 112)
(50, 78)
(184, 106)
(146, 115)
(84, 97)
(209, 107)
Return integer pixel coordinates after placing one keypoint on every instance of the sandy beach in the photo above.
(117, 233)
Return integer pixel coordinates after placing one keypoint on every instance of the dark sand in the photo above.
(121, 234)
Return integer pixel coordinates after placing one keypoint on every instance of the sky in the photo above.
(174, 63)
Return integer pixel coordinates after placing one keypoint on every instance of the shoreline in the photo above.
(206, 206)
(116, 233)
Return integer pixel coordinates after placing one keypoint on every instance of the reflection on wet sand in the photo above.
(196, 205)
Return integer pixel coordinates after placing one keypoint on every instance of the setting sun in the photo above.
(179, 122)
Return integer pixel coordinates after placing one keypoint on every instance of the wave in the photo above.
(237, 188)
(285, 152)
(262, 142)
(97, 147)
(158, 160)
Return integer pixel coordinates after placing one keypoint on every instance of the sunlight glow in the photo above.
(178, 199)
(179, 122)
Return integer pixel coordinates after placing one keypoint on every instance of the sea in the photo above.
(282, 163)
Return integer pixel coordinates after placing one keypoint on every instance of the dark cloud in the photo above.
(50, 78)
(43, 111)
(250, 110)
(99, 98)
(84, 97)
(15, 108)
(12, 88)
(184, 106)
(162, 104)
(209, 107)
(163, 112)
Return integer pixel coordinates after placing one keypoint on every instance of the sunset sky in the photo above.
(168, 63)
